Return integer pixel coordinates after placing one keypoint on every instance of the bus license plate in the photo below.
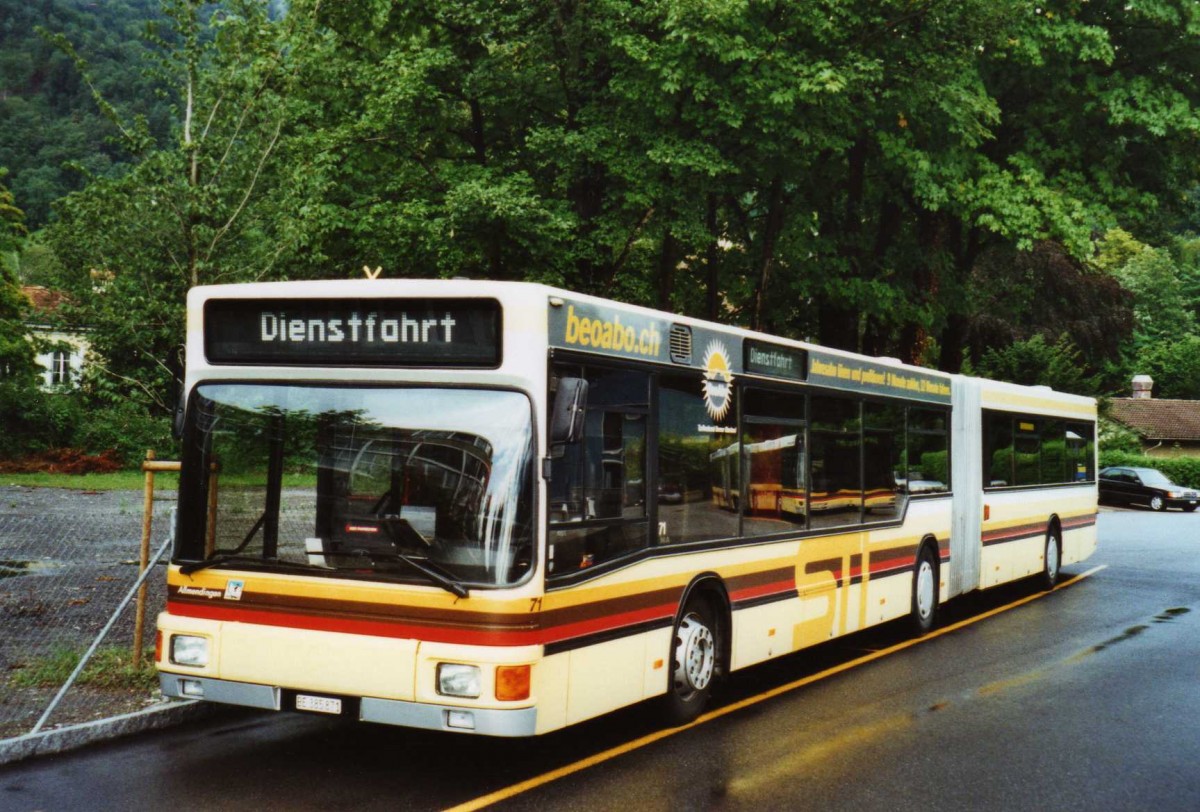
(318, 704)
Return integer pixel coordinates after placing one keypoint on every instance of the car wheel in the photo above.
(1157, 503)
(693, 662)
(1190, 509)
(924, 592)
(1052, 559)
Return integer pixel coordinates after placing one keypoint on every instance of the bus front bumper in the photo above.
(481, 721)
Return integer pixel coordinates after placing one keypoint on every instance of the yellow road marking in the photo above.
(650, 738)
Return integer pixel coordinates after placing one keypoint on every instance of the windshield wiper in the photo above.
(435, 573)
(196, 566)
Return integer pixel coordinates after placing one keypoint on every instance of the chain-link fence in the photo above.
(67, 560)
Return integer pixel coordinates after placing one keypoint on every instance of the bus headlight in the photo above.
(187, 649)
(455, 679)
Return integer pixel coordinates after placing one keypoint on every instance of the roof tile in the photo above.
(1158, 418)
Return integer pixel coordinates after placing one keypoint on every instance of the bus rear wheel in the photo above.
(1051, 569)
(924, 594)
(693, 663)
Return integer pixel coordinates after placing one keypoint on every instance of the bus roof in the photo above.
(595, 326)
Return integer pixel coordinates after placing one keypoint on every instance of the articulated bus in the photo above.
(502, 508)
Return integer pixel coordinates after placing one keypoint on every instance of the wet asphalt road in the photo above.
(1086, 698)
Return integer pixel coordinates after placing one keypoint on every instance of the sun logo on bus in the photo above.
(718, 381)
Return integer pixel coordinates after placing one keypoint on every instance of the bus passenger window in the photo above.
(1080, 452)
(597, 490)
(1028, 451)
(997, 449)
(928, 452)
(699, 482)
(1054, 453)
(883, 461)
(774, 462)
(836, 492)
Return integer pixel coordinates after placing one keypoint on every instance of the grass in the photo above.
(136, 481)
(110, 667)
(119, 481)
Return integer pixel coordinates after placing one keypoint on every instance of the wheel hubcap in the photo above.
(1052, 557)
(695, 656)
(925, 589)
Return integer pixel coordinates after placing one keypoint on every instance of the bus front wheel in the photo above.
(693, 662)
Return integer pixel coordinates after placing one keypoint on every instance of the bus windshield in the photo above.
(422, 485)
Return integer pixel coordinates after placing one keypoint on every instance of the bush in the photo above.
(128, 429)
(36, 422)
(1181, 470)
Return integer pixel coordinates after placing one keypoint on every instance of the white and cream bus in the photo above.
(503, 508)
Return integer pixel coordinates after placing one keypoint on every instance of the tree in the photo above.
(17, 363)
(1015, 295)
(52, 137)
(860, 173)
(832, 170)
(1174, 364)
(1034, 362)
(1161, 288)
(204, 207)
(1166, 338)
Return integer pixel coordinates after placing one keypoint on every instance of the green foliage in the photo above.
(1180, 470)
(37, 264)
(36, 420)
(1016, 295)
(52, 136)
(17, 366)
(128, 428)
(12, 221)
(1174, 364)
(1035, 362)
(1116, 437)
(209, 206)
(923, 181)
(1160, 309)
(1165, 290)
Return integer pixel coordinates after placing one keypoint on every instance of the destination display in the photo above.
(350, 332)
(775, 360)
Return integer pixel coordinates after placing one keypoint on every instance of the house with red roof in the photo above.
(1165, 427)
(60, 349)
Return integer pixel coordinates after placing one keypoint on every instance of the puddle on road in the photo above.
(11, 569)
(1130, 633)
(1166, 616)
(14, 568)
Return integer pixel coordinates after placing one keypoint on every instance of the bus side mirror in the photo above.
(177, 418)
(570, 405)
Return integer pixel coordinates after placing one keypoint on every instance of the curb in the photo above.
(62, 739)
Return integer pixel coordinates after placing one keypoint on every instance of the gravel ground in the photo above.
(67, 558)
